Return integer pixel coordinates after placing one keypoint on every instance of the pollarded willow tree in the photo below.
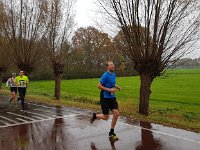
(157, 33)
(23, 28)
(4, 49)
(59, 25)
(4, 57)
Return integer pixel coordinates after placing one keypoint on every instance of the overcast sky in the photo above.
(85, 16)
(84, 13)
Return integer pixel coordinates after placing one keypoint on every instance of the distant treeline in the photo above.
(187, 63)
(84, 57)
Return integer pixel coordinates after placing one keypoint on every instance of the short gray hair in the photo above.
(13, 74)
(107, 63)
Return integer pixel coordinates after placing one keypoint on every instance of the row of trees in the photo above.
(87, 54)
(153, 34)
(35, 35)
(30, 31)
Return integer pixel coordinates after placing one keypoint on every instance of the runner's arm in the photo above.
(16, 82)
(27, 81)
(7, 83)
(101, 87)
(26, 84)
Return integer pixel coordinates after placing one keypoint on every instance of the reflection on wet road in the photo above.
(62, 128)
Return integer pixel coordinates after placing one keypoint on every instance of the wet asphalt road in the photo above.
(62, 128)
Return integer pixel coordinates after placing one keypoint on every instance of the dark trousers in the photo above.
(22, 93)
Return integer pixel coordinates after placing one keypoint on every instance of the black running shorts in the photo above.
(108, 104)
(13, 89)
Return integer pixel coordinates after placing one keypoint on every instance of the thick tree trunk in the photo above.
(145, 92)
(57, 86)
(58, 71)
(0, 83)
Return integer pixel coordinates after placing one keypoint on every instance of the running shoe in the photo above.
(93, 118)
(113, 136)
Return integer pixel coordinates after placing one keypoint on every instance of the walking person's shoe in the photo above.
(113, 136)
(19, 99)
(10, 106)
(10, 100)
(93, 117)
(15, 105)
(25, 111)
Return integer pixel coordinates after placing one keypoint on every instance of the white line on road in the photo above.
(53, 108)
(39, 114)
(48, 112)
(159, 132)
(8, 119)
(25, 121)
(38, 117)
(21, 116)
(4, 122)
(36, 121)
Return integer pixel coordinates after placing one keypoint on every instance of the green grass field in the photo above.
(175, 98)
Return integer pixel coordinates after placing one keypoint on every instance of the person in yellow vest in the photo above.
(22, 82)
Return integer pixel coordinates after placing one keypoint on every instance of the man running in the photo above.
(108, 87)
(11, 82)
(22, 82)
